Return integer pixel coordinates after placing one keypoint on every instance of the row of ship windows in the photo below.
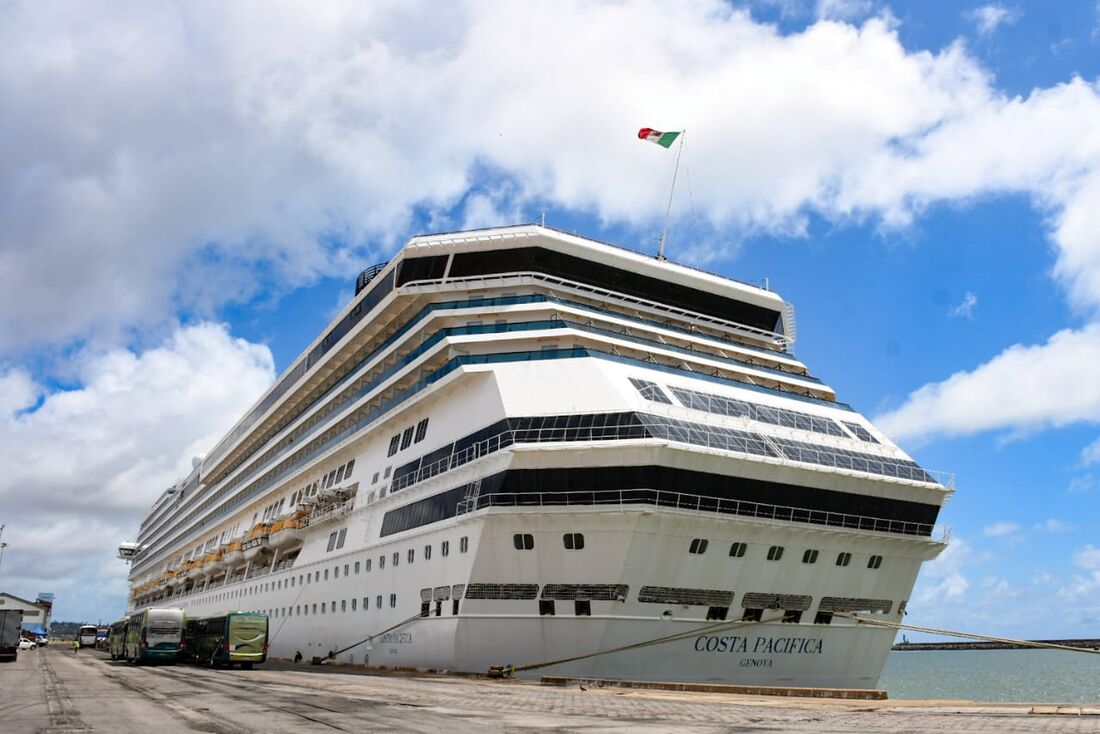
(719, 405)
(331, 479)
(408, 437)
(737, 550)
(697, 547)
(346, 605)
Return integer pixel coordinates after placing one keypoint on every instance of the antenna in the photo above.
(671, 191)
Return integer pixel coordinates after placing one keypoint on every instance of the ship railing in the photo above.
(622, 498)
(329, 513)
(602, 294)
(662, 431)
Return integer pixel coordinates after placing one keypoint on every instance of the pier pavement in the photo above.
(55, 691)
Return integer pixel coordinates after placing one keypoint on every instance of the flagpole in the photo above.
(672, 190)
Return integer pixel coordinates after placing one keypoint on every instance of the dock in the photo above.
(59, 691)
(1084, 644)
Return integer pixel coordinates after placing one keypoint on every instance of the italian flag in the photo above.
(664, 140)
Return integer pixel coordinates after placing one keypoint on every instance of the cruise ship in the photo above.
(521, 447)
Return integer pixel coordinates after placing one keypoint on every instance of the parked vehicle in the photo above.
(25, 644)
(87, 635)
(154, 634)
(11, 622)
(236, 637)
(116, 639)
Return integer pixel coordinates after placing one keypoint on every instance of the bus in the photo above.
(116, 639)
(225, 639)
(154, 634)
(87, 634)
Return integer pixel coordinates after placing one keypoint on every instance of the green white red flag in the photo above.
(664, 140)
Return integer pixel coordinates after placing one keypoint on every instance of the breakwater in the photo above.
(1086, 644)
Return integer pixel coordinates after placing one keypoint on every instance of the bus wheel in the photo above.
(246, 666)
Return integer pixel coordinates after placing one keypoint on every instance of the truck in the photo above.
(11, 624)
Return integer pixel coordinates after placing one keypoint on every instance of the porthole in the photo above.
(843, 559)
(775, 553)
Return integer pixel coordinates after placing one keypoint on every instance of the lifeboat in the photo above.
(257, 541)
(213, 563)
(287, 532)
(232, 556)
(191, 569)
(172, 578)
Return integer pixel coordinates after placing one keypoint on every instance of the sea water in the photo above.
(1034, 676)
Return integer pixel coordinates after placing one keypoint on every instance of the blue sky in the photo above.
(188, 191)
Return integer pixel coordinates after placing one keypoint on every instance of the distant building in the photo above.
(36, 614)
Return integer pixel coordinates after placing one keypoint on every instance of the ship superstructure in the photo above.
(535, 447)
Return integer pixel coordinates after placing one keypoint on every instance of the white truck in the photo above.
(11, 622)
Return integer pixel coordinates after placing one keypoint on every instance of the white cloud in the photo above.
(186, 155)
(1053, 525)
(942, 579)
(999, 529)
(82, 468)
(988, 18)
(966, 308)
(1081, 484)
(844, 9)
(1091, 453)
(1023, 387)
(1088, 558)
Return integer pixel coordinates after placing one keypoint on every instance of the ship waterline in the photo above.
(518, 446)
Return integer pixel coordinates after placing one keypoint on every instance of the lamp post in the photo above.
(2, 545)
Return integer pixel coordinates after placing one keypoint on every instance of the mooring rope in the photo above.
(506, 671)
(967, 635)
(333, 653)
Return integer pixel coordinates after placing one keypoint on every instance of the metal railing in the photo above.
(696, 503)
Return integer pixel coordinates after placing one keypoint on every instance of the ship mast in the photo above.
(671, 191)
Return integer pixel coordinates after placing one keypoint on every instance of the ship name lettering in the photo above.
(729, 643)
(787, 645)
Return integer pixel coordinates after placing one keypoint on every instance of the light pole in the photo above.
(2, 545)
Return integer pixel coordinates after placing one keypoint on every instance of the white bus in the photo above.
(87, 635)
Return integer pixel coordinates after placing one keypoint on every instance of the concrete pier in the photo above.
(56, 690)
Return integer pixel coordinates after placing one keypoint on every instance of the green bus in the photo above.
(116, 639)
(154, 634)
(225, 639)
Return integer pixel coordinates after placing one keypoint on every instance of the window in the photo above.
(393, 444)
(406, 438)
(353, 604)
(698, 547)
(343, 605)
(326, 574)
(874, 562)
(346, 569)
(809, 556)
(411, 555)
(381, 562)
(347, 472)
(823, 618)
(375, 479)
(522, 541)
(427, 553)
(546, 607)
(366, 603)
(323, 608)
(357, 568)
(331, 542)
(650, 391)
(421, 430)
(752, 615)
(775, 553)
(582, 608)
(425, 608)
(737, 550)
(340, 540)
(717, 613)
(396, 558)
(340, 474)
(368, 565)
(445, 548)
(393, 600)
(843, 559)
(336, 572)
(454, 606)
(573, 541)
(463, 544)
(792, 616)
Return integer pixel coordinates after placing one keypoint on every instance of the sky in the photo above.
(188, 190)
